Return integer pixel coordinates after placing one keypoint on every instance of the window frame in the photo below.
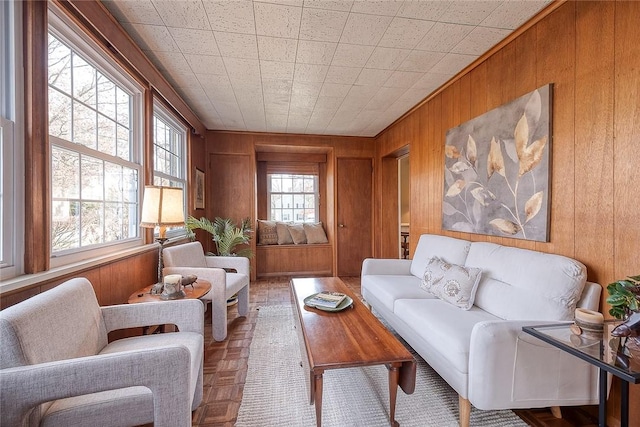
(12, 152)
(293, 175)
(172, 121)
(76, 39)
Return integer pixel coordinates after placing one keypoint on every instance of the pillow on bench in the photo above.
(267, 233)
(315, 233)
(282, 233)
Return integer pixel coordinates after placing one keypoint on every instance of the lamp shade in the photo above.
(162, 206)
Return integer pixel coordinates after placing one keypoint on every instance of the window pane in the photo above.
(123, 106)
(106, 96)
(92, 178)
(106, 136)
(287, 184)
(92, 223)
(84, 125)
(124, 143)
(59, 65)
(59, 115)
(65, 225)
(84, 81)
(65, 171)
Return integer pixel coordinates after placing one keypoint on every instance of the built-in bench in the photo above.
(294, 260)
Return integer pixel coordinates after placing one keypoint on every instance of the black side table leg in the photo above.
(624, 403)
(602, 407)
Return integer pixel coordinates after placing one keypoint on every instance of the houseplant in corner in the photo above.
(624, 298)
(226, 235)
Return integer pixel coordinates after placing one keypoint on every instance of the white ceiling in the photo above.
(313, 66)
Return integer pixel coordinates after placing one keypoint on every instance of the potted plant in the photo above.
(624, 297)
(226, 235)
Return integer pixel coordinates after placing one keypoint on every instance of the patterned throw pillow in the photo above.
(284, 237)
(315, 233)
(452, 283)
(267, 234)
(297, 234)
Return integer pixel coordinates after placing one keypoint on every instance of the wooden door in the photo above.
(354, 214)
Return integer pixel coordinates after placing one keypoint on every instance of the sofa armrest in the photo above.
(509, 368)
(239, 263)
(377, 266)
(27, 386)
(186, 314)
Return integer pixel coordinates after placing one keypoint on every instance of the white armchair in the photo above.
(189, 258)
(57, 368)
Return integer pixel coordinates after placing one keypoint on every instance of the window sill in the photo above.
(28, 280)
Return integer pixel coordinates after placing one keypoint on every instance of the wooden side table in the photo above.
(199, 289)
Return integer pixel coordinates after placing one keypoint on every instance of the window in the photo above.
(293, 198)
(94, 129)
(169, 154)
(11, 152)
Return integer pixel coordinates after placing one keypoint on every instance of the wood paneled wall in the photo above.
(591, 54)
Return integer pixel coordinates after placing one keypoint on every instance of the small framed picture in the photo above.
(199, 190)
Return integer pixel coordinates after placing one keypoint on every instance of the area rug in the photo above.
(275, 393)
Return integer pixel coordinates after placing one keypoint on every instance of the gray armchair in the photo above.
(189, 258)
(57, 368)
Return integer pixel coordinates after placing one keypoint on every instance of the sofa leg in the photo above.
(556, 411)
(464, 411)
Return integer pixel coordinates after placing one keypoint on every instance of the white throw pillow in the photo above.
(452, 283)
(297, 234)
(315, 233)
(284, 237)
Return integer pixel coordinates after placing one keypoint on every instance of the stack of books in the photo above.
(327, 299)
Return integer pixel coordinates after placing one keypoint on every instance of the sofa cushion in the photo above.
(297, 234)
(267, 234)
(519, 284)
(386, 289)
(445, 327)
(284, 236)
(452, 283)
(447, 248)
(315, 233)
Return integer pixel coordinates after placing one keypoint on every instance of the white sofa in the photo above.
(57, 367)
(482, 352)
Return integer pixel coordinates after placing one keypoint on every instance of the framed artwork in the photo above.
(199, 190)
(496, 177)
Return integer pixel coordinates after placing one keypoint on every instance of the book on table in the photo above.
(327, 299)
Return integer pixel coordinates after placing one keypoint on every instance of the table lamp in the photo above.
(162, 207)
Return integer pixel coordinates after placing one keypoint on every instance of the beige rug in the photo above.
(275, 393)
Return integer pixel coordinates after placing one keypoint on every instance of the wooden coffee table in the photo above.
(356, 338)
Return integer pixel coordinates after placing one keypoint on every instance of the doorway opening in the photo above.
(404, 211)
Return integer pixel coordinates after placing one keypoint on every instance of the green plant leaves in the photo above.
(624, 297)
(225, 234)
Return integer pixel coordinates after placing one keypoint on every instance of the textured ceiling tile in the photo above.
(277, 49)
(426, 10)
(387, 58)
(273, 70)
(310, 73)
(277, 86)
(452, 63)
(231, 16)
(349, 55)
(377, 7)
(343, 5)
(195, 41)
(468, 11)
(335, 90)
(314, 52)
(214, 82)
(383, 98)
(405, 33)
(420, 61)
(328, 104)
(276, 122)
(431, 81)
(137, 12)
(152, 37)
(364, 29)
(512, 14)
(302, 103)
(243, 69)
(402, 79)
(206, 64)
(342, 75)
(443, 37)
(480, 40)
(170, 62)
(237, 45)
(297, 122)
(305, 89)
(277, 20)
(322, 25)
(190, 14)
(373, 77)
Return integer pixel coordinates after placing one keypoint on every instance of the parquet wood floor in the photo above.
(225, 365)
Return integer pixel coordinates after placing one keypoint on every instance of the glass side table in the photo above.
(614, 355)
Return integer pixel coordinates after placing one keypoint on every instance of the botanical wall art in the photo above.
(496, 178)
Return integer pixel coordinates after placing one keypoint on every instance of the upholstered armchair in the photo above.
(57, 367)
(189, 258)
